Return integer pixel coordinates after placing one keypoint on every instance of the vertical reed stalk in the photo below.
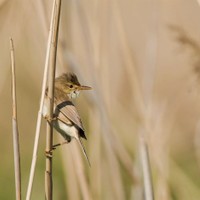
(146, 168)
(51, 78)
(15, 126)
(39, 118)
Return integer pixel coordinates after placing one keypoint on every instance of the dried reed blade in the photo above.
(147, 179)
(16, 146)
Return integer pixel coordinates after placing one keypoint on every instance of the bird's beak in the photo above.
(82, 87)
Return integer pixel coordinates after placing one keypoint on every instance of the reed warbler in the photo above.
(66, 119)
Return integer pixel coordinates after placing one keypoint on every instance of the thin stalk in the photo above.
(51, 78)
(15, 126)
(39, 117)
(146, 169)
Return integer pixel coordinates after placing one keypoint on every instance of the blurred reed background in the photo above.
(142, 59)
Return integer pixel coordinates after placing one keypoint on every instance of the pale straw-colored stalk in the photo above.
(39, 117)
(50, 102)
(16, 146)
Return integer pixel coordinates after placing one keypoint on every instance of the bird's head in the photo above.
(69, 84)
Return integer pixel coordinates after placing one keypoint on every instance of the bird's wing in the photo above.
(67, 113)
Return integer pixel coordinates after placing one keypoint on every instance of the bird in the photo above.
(66, 119)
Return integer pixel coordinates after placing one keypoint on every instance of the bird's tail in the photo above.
(84, 151)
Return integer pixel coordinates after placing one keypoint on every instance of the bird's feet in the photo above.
(59, 144)
(49, 153)
(50, 119)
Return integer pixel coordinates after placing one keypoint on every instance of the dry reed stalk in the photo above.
(50, 102)
(196, 142)
(39, 117)
(16, 145)
(148, 85)
(146, 168)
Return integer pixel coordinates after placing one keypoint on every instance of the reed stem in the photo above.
(15, 126)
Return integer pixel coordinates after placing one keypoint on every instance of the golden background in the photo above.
(142, 59)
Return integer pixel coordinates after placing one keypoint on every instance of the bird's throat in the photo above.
(73, 94)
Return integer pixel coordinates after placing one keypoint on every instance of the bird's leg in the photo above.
(50, 119)
(49, 153)
(59, 144)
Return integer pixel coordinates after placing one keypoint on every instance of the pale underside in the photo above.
(67, 120)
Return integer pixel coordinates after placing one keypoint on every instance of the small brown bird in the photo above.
(66, 118)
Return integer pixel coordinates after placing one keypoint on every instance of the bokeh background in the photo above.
(142, 59)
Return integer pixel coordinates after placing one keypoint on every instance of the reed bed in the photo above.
(143, 65)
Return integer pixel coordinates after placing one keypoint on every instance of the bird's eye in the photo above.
(71, 86)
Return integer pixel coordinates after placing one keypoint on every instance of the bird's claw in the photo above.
(50, 119)
(54, 147)
(49, 153)
(59, 144)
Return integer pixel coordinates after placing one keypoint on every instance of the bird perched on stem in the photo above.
(66, 119)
